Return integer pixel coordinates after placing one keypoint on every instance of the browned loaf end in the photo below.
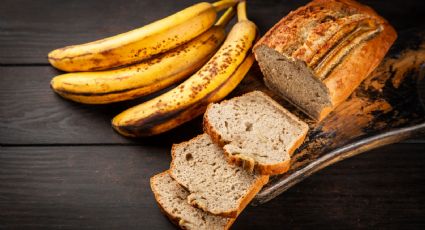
(255, 132)
(318, 54)
(215, 186)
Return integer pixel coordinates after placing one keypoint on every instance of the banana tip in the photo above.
(121, 131)
(51, 55)
(52, 84)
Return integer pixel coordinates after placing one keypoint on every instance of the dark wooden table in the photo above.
(62, 166)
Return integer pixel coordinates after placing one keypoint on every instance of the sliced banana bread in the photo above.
(255, 132)
(172, 199)
(215, 186)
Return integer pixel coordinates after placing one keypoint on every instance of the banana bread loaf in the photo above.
(318, 54)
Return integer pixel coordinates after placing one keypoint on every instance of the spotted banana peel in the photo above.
(147, 77)
(216, 79)
(139, 44)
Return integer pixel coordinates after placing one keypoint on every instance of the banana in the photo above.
(139, 44)
(144, 78)
(168, 121)
(178, 105)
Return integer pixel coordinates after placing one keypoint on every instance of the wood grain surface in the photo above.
(30, 29)
(32, 114)
(63, 167)
(108, 188)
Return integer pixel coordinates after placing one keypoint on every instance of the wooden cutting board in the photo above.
(385, 109)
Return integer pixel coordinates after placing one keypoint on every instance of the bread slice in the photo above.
(255, 132)
(317, 55)
(215, 186)
(172, 199)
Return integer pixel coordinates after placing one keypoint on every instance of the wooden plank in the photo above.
(29, 36)
(108, 187)
(31, 113)
(382, 189)
(80, 187)
(30, 29)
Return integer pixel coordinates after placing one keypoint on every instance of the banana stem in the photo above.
(226, 17)
(242, 11)
(224, 4)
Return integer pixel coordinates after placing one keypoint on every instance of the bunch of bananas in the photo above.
(184, 45)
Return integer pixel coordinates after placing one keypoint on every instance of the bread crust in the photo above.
(352, 69)
(348, 75)
(174, 219)
(254, 189)
(249, 163)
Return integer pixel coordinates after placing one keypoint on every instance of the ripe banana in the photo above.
(139, 44)
(172, 119)
(144, 78)
(178, 105)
